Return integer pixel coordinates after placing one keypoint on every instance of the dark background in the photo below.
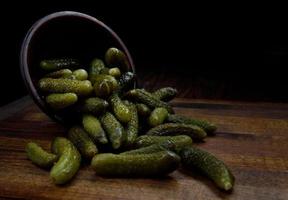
(237, 52)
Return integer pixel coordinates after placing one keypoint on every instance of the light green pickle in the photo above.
(94, 129)
(135, 165)
(51, 85)
(69, 160)
(62, 73)
(193, 158)
(121, 111)
(56, 64)
(82, 141)
(114, 130)
(39, 156)
(157, 117)
(60, 101)
(80, 74)
(115, 71)
(170, 129)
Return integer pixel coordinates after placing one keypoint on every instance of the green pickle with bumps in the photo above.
(68, 163)
(95, 68)
(82, 141)
(104, 85)
(135, 165)
(114, 129)
(94, 105)
(52, 85)
(194, 158)
(94, 129)
(39, 156)
(165, 94)
(60, 101)
(115, 57)
(209, 127)
(147, 98)
(56, 64)
(171, 129)
(143, 110)
(178, 140)
(132, 126)
(157, 117)
(166, 145)
(62, 73)
(121, 111)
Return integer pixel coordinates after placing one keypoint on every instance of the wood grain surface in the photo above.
(252, 140)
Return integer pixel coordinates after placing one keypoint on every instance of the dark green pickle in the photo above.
(147, 98)
(194, 158)
(114, 130)
(95, 68)
(56, 64)
(146, 140)
(121, 111)
(94, 105)
(166, 145)
(60, 101)
(132, 126)
(143, 110)
(209, 127)
(171, 129)
(165, 94)
(82, 141)
(62, 73)
(115, 57)
(136, 165)
(104, 85)
(126, 81)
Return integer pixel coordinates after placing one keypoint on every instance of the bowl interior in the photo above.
(61, 35)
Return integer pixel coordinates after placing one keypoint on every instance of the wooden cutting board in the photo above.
(252, 140)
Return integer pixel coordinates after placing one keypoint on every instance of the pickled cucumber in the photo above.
(60, 101)
(39, 156)
(82, 141)
(56, 64)
(68, 163)
(115, 57)
(94, 105)
(126, 81)
(166, 145)
(115, 71)
(121, 111)
(157, 117)
(170, 129)
(104, 85)
(138, 165)
(178, 140)
(143, 110)
(94, 129)
(148, 99)
(194, 158)
(95, 67)
(114, 129)
(210, 128)
(80, 74)
(62, 73)
(65, 86)
(132, 126)
(165, 94)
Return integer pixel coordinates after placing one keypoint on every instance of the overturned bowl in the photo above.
(64, 34)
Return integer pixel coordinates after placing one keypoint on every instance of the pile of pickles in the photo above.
(121, 130)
